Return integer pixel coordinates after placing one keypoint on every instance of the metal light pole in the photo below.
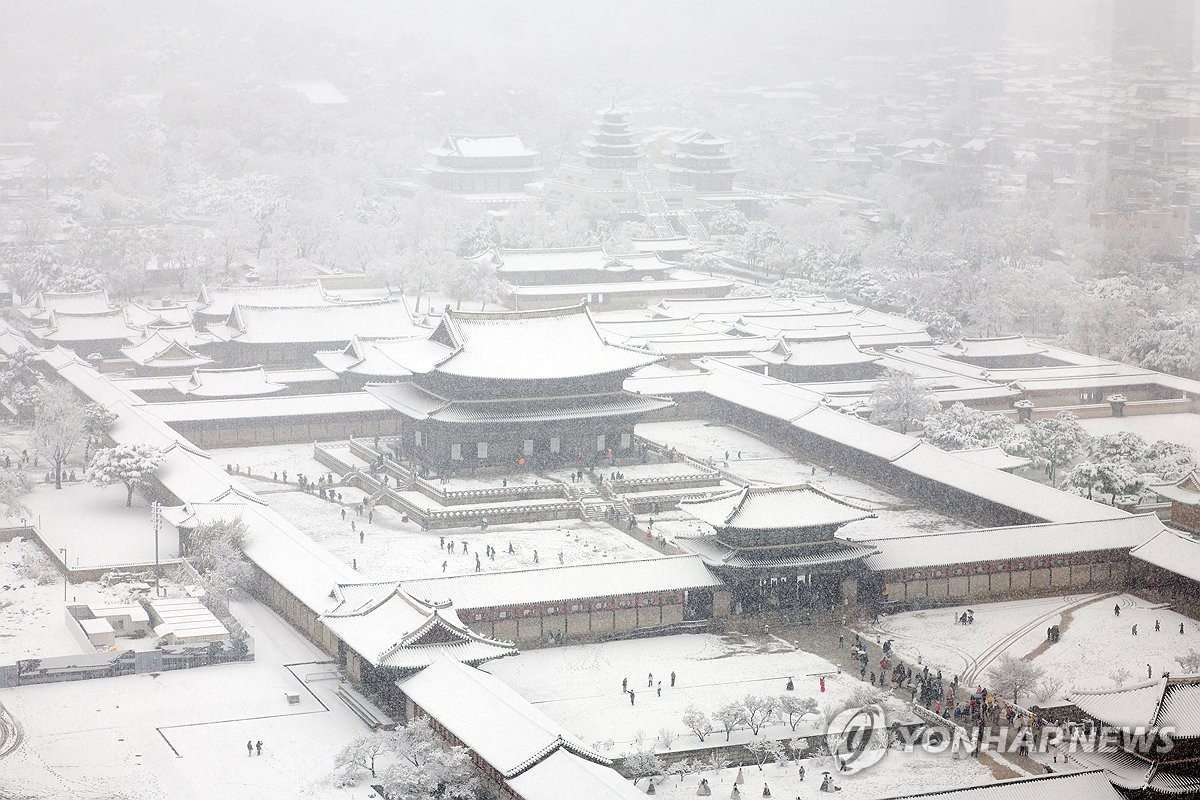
(66, 571)
(156, 518)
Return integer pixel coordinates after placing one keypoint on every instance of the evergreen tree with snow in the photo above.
(130, 464)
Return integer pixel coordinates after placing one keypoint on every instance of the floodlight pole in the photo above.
(156, 517)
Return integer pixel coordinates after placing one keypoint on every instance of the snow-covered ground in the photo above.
(580, 686)
(182, 734)
(755, 460)
(95, 527)
(265, 460)
(898, 772)
(1095, 644)
(1179, 428)
(392, 548)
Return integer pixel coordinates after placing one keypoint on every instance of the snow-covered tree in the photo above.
(1057, 441)
(19, 380)
(362, 754)
(643, 764)
(942, 325)
(795, 708)
(762, 751)
(705, 262)
(98, 420)
(727, 221)
(757, 711)
(57, 426)
(961, 428)
(13, 486)
(214, 549)
(1190, 662)
(1117, 479)
(427, 768)
(729, 716)
(130, 464)
(697, 722)
(1013, 677)
(900, 402)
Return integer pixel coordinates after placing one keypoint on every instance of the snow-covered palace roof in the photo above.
(548, 344)
(757, 508)
(572, 582)
(532, 753)
(389, 627)
(1085, 785)
(1014, 542)
(1164, 703)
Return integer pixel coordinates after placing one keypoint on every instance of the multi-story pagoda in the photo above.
(776, 546)
(1147, 736)
(611, 144)
(701, 160)
(513, 390)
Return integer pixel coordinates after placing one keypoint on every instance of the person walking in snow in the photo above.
(650, 680)
(672, 678)
(1117, 610)
(1156, 626)
(624, 684)
(631, 696)
(1135, 630)
(258, 746)
(249, 748)
(660, 688)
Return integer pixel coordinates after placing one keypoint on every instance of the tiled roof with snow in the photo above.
(1088, 785)
(1172, 551)
(557, 584)
(1163, 703)
(140, 316)
(102, 326)
(386, 358)
(93, 302)
(757, 508)
(218, 301)
(387, 626)
(992, 347)
(993, 457)
(485, 714)
(1013, 542)
(1186, 490)
(503, 145)
(303, 405)
(819, 554)
(546, 780)
(337, 322)
(159, 350)
(531, 345)
(679, 282)
(554, 259)
(228, 382)
(818, 351)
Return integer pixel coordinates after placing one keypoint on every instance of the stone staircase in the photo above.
(597, 509)
(692, 225)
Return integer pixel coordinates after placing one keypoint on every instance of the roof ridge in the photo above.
(1110, 520)
(1050, 776)
(484, 575)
